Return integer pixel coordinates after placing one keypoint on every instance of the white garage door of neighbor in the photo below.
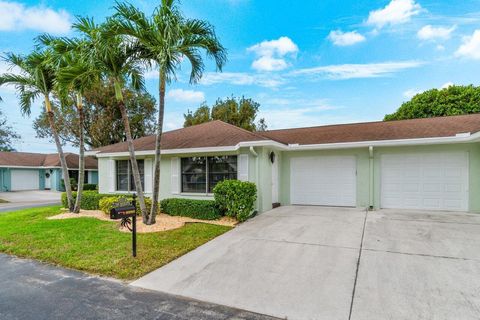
(25, 180)
(327, 181)
(434, 181)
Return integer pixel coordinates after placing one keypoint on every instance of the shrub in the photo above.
(197, 209)
(90, 199)
(107, 203)
(236, 198)
(89, 186)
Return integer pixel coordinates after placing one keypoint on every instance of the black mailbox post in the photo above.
(128, 213)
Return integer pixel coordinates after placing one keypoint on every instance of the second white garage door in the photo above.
(327, 181)
(435, 181)
(25, 179)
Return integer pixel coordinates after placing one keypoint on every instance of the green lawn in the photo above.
(96, 246)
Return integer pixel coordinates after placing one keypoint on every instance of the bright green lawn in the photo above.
(96, 246)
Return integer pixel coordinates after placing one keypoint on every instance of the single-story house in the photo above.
(38, 171)
(429, 163)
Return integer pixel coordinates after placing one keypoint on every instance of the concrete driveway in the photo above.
(337, 263)
(28, 199)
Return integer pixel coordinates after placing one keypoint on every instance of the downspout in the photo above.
(371, 176)
(255, 154)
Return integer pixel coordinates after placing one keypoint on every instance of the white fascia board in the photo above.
(32, 167)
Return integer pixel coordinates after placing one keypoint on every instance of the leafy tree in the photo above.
(36, 79)
(7, 135)
(103, 122)
(163, 41)
(454, 100)
(239, 112)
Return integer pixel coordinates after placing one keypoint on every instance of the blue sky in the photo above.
(317, 63)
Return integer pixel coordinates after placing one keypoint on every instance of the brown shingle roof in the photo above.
(218, 133)
(25, 159)
(210, 134)
(381, 130)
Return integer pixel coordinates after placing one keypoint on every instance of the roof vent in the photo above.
(463, 135)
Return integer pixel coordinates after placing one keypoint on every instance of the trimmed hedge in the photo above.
(89, 186)
(197, 209)
(236, 198)
(90, 199)
(106, 204)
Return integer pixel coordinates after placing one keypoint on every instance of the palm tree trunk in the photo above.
(133, 160)
(81, 157)
(63, 162)
(158, 141)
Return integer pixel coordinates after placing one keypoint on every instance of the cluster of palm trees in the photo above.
(118, 51)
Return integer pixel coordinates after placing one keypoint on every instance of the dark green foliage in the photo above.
(7, 135)
(197, 209)
(239, 112)
(89, 186)
(454, 100)
(236, 198)
(90, 199)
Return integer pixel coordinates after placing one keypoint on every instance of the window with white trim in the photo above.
(125, 180)
(201, 174)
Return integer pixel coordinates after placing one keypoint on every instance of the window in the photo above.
(201, 174)
(125, 180)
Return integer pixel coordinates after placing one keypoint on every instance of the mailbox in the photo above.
(128, 211)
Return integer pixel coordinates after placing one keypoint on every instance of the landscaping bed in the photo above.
(96, 246)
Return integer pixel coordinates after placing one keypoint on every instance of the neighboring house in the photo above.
(37, 171)
(417, 164)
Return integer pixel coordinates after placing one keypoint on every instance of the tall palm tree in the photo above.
(111, 58)
(73, 77)
(36, 79)
(164, 40)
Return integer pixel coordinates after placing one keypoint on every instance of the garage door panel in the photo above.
(323, 181)
(24, 180)
(440, 181)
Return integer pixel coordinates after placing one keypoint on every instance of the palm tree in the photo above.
(73, 76)
(163, 41)
(111, 58)
(36, 79)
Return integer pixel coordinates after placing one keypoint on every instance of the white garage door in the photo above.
(25, 180)
(328, 181)
(435, 181)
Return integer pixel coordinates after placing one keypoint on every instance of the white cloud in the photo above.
(186, 95)
(353, 71)
(340, 38)
(241, 78)
(430, 32)
(470, 47)
(16, 16)
(396, 12)
(410, 93)
(271, 54)
(446, 85)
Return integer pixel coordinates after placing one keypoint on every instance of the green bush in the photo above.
(197, 209)
(236, 198)
(107, 203)
(90, 199)
(89, 186)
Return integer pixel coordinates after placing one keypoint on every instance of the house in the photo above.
(429, 163)
(38, 171)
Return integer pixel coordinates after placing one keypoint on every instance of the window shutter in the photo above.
(175, 175)
(242, 162)
(148, 175)
(111, 175)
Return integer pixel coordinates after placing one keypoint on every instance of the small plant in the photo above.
(89, 187)
(90, 199)
(197, 209)
(236, 198)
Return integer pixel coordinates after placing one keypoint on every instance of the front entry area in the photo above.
(323, 180)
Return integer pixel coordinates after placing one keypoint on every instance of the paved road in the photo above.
(18, 200)
(314, 263)
(32, 290)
